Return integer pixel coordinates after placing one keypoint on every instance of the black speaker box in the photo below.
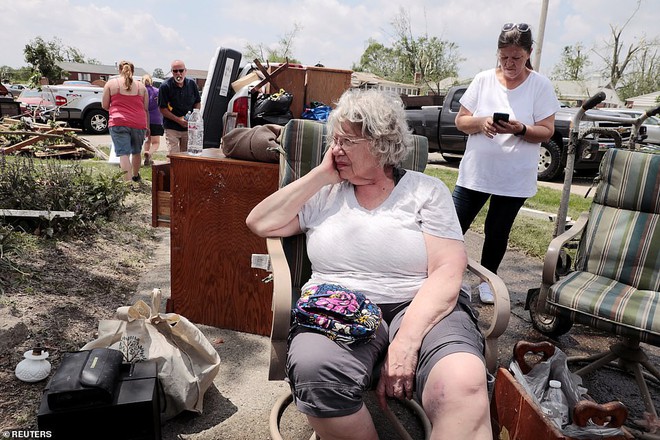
(133, 414)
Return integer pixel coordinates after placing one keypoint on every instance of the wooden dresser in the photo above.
(213, 282)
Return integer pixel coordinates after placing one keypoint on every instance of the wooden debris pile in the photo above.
(18, 136)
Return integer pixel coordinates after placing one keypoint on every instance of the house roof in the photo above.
(360, 79)
(581, 90)
(101, 69)
(644, 102)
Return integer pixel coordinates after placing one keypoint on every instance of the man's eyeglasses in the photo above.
(345, 142)
(522, 27)
(178, 70)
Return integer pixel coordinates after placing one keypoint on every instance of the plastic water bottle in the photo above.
(195, 133)
(555, 405)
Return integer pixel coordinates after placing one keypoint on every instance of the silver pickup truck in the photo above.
(80, 106)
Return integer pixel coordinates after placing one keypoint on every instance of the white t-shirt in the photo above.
(379, 252)
(505, 165)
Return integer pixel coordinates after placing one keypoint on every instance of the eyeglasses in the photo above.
(178, 70)
(522, 27)
(347, 143)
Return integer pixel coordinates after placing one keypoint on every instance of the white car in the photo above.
(652, 124)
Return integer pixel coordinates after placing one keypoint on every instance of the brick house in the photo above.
(91, 72)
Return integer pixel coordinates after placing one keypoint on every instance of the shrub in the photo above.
(54, 185)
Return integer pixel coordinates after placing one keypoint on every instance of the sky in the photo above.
(332, 32)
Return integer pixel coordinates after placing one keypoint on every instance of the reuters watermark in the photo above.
(25, 433)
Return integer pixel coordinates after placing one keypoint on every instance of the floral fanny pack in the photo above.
(342, 315)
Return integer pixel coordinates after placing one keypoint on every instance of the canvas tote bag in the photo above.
(187, 362)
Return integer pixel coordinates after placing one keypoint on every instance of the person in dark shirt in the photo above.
(177, 96)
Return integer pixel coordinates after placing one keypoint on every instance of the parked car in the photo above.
(652, 124)
(156, 81)
(76, 82)
(30, 98)
(15, 89)
(80, 106)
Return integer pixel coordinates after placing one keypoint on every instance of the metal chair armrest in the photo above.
(501, 312)
(281, 307)
(552, 255)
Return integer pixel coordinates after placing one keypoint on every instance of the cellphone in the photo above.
(497, 117)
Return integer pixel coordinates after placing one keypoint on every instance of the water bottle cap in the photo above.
(555, 384)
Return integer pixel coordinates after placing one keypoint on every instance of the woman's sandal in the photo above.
(147, 159)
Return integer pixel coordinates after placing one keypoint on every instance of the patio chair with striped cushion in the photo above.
(302, 147)
(615, 286)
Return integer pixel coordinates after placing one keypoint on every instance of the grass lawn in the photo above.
(530, 235)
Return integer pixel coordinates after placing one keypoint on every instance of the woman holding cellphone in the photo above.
(501, 157)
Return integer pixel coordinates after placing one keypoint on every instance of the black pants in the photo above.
(499, 220)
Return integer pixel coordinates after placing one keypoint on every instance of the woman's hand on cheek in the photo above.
(328, 167)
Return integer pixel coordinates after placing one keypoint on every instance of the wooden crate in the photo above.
(326, 85)
(516, 416)
(292, 80)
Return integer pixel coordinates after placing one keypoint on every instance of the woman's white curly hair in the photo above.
(380, 117)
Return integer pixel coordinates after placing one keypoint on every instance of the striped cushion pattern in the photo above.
(419, 156)
(608, 305)
(303, 143)
(622, 245)
(629, 180)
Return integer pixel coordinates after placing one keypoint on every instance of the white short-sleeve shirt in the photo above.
(505, 165)
(380, 252)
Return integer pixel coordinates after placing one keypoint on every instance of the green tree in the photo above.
(572, 64)
(411, 57)
(281, 53)
(158, 73)
(43, 57)
(621, 60)
(644, 75)
(378, 59)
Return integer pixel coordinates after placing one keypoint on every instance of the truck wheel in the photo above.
(96, 121)
(549, 161)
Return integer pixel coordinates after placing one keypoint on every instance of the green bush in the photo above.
(55, 185)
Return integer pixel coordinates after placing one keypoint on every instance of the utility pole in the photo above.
(539, 44)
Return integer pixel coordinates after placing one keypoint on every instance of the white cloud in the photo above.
(334, 32)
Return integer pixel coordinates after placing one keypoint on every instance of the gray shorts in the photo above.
(328, 379)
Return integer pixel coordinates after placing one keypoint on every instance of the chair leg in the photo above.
(285, 399)
(631, 357)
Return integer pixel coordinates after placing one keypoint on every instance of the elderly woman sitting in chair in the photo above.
(393, 235)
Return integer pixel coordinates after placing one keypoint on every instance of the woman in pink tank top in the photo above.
(127, 102)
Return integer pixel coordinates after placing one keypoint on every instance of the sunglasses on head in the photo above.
(178, 70)
(522, 27)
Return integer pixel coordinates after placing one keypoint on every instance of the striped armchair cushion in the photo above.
(629, 180)
(303, 143)
(622, 245)
(608, 305)
(616, 284)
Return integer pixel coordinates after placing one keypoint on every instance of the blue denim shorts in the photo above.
(127, 140)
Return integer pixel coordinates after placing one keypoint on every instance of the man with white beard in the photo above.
(177, 96)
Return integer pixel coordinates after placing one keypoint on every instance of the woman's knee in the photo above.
(455, 381)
